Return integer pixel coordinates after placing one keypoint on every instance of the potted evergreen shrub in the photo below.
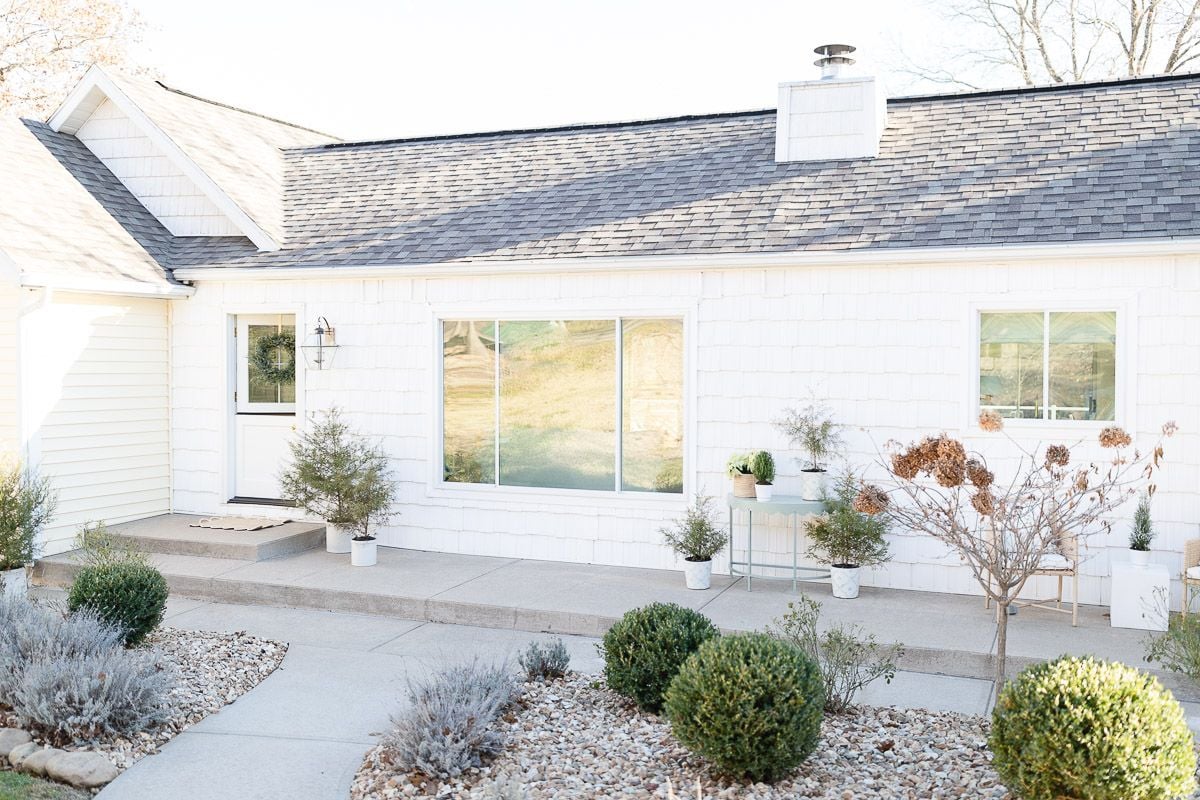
(763, 467)
(740, 470)
(27, 502)
(697, 537)
(341, 478)
(1142, 533)
(814, 431)
(845, 539)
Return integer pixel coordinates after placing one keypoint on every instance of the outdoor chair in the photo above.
(1061, 564)
(1190, 576)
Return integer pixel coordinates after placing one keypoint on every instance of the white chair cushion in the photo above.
(1054, 561)
(1194, 572)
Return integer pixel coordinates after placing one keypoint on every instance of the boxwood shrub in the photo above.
(1079, 727)
(750, 704)
(645, 648)
(129, 595)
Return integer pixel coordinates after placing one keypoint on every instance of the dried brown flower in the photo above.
(949, 472)
(871, 500)
(1081, 480)
(991, 421)
(983, 502)
(979, 475)
(1058, 455)
(950, 449)
(1169, 428)
(925, 453)
(905, 466)
(1115, 436)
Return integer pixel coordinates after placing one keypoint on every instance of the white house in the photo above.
(560, 335)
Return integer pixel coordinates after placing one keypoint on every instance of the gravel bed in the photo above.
(214, 670)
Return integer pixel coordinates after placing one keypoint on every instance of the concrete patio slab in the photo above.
(435, 644)
(299, 626)
(174, 534)
(424, 574)
(934, 692)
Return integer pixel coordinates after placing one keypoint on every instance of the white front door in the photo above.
(264, 403)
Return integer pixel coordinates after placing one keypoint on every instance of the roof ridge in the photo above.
(245, 111)
(1052, 87)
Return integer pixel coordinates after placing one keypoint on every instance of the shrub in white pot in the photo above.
(340, 477)
(742, 474)
(814, 431)
(763, 467)
(845, 539)
(698, 536)
(1142, 533)
(27, 502)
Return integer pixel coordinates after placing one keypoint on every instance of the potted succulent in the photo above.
(814, 431)
(845, 539)
(742, 473)
(339, 477)
(27, 503)
(763, 467)
(697, 537)
(1142, 533)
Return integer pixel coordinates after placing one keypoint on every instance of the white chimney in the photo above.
(836, 117)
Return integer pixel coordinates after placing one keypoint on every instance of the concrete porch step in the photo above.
(172, 534)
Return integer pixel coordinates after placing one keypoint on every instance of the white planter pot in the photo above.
(812, 484)
(698, 574)
(14, 583)
(764, 491)
(844, 581)
(1139, 558)
(364, 552)
(337, 538)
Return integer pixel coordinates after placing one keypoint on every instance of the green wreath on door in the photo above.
(263, 357)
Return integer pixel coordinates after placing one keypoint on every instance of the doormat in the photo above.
(238, 523)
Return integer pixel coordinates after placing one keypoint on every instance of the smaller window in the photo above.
(1055, 365)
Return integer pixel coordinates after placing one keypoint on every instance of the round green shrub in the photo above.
(749, 703)
(645, 648)
(1083, 728)
(129, 595)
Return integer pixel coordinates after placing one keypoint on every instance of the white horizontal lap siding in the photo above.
(889, 346)
(97, 408)
(9, 431)
(150, 176)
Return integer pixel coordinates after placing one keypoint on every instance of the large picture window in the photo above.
(564, 404)
(1052, 365)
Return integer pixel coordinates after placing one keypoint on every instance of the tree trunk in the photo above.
(1001, 643)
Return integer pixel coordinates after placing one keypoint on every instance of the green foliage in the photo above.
(339, 477)
(1083, 728)
(763, 467)
(1142, 533)
(1178, 649)
(749, 703)
(273, 357)
(463, 467)
(670, 478)
(17, 786)
(27, 502)
(739, 464)
(643, 651)
(96, 546)
(545, 662)
(843, 536)
(814, 430)
(698, 536)
(848, 659)
(129, 595)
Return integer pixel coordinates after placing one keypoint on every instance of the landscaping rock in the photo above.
(83, 769)
(35, 763)
(10, 738)
(18, 754)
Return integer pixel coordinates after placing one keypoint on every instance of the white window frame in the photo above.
(1125, 388)
(439, 487)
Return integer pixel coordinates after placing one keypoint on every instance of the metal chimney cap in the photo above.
(829, 50)
(833, 58)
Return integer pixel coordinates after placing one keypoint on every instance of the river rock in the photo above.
(83, 769)
(10, 738)
(35, 763)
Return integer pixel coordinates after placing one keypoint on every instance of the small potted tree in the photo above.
(845, 539)
(337, 476)
(697, 537)
(814, 431)
(1142, 533)
(27, 503)
(742, 473)
(763, 467)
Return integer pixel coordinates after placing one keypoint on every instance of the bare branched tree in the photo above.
(46, 45)
(1004, 532)
(1057, 41)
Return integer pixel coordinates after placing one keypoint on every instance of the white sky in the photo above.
(378, 69)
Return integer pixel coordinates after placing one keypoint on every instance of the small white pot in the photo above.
(364, 552)
(844, 581)
(1139, 558)
(763, 491)
(337, 538)
(812, 484)
(14, 582)
(698, 574)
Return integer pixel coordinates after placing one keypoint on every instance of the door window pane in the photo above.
(1010, 363)
(1083, 365)
(652, 405)
(469, 401)
(558, 404)
(262, 390)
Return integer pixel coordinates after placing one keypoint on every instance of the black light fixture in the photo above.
(320, 346)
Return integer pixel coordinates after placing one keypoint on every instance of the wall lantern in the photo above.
(320, 346)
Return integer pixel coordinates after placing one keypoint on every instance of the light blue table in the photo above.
(794, 508)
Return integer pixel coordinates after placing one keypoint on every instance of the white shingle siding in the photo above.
(889, 346)
(9, 306)
(150, 175)
(96, 406)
